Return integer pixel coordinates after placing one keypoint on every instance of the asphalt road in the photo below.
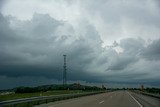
(111, 99)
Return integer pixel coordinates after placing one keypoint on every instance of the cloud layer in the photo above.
(98, 43)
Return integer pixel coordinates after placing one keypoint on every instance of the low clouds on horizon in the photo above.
(32, 49)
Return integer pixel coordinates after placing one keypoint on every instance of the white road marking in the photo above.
(135, 100)
(101, 102)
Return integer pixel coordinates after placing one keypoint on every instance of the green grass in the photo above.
(28, 95)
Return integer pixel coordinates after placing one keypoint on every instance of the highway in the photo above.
(110, 99)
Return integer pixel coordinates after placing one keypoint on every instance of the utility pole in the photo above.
(64, 71)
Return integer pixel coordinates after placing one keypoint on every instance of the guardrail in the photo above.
(29, 102)
(148, 94)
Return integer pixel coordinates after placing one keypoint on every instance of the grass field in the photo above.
(28, 95)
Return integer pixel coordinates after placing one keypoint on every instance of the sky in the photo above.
(111, 42)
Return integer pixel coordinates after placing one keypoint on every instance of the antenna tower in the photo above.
(64, 71)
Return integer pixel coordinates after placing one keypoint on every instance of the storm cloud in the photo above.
(105, 42)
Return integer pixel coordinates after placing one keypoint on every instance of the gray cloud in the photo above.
(26, 52)
(34, 48)
(1, 3)
(152, 51)
(38, 54)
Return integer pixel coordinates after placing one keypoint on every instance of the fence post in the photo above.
(27, 104)
(14, 105)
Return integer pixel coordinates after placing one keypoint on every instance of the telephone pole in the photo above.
(64, 71)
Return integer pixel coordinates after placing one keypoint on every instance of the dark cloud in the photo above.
(39, 49)
(34, 49)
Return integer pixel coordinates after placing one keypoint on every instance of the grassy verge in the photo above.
(31, 103)
(28, 95)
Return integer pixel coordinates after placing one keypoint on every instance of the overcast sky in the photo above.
(114, 42)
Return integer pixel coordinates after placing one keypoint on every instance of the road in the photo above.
(110, 99)
(147, 101)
